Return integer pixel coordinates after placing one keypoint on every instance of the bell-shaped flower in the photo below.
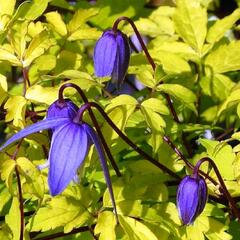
(111, 56)
(191, 198)
(70, 143)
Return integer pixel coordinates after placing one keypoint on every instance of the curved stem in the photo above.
(180, 154)
(131, 144)
(232, 203)
(94, 120)
(148, 56)
(115, 28)
(20, 197)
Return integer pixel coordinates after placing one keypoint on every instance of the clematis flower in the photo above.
(111, 56)
(70, 143)
(191, 198)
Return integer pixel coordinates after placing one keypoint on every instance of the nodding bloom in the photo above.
(70, 143)
(111, 56)
(191, 198)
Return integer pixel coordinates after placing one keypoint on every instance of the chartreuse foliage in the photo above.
(46, 43)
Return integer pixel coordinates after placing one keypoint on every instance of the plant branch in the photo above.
(61, 234)
(232, 203)
(131, 144)
(20, 197)
(148, 56)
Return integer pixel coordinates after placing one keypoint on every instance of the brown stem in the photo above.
(232, 203)
(20, 197)
(131, 144)
(181, 156)
(148, 56)
(61, 234)
(115, 28)
(94, 120)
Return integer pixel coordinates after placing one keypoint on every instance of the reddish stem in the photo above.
(232, 203)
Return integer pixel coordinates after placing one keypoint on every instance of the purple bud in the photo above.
(111, 56)
(62, 109)
(191, 198)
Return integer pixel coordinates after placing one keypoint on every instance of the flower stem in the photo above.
(131, 144)
(61, 234)
(181, 156)
(115, 28)
(232, 203)
(20, 197)
(148, 56)
(94, 120)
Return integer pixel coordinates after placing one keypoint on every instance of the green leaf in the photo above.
(110, 10)
(106, 226)
(222, 156)
(7, 170)
(5, 232)
(37, 47)
(179, 49)
(41, 94)
(55, 19)
(154, 120)
(61, 211)
(34, 184)
(183, 94)
(218, 86)
(85, 33)
(152, 27)
(30, 10)
(213, 229)
(156, 105)
(7, 54)
(136, 230)
(16, 106)
(18, 38)
(232, 99)
(146, 77)
(217, 31)
(225, 58)
(191, 23)
(7, 7)
(80, 17)
(3, 88)
(119, 110)
(13, 219)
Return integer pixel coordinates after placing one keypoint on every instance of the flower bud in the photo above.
(111, 56)
(191, 198)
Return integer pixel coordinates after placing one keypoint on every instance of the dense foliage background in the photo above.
(46, 43)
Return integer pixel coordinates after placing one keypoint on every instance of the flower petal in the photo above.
(36, 127)
(122, 59)
(68, 150)
(103, 162)
(188, 199)
(105, 54)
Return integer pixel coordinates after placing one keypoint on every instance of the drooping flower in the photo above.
(191, 198)
(70, 143)
(111, 56)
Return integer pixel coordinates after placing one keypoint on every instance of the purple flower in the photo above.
(191, 198)
(111, 56)
(70, 143)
